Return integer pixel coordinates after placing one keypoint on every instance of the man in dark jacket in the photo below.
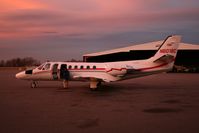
(65, 76)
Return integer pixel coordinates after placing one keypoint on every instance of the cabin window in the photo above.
(88, 67)
(81, 67)
(70, 67)
(94, 67)
(76, 67)
(46, 67)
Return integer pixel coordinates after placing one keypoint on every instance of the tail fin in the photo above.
(168, 50)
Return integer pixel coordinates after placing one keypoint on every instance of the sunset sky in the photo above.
(59, 30)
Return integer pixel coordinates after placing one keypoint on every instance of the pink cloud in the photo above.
(64, 24)
(88, 17)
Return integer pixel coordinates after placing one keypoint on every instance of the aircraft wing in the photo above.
(98, 76)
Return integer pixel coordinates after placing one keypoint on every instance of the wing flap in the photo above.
(99, 76)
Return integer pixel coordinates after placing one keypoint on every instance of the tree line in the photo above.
(19, 62)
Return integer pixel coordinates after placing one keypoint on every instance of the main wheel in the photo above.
(99, 84)
(93, 89)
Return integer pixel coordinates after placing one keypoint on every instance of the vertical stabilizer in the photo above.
(168, 49)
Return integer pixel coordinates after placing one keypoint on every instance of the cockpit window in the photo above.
(46, 67)
(41, 66)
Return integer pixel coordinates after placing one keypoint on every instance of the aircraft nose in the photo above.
(20, 75)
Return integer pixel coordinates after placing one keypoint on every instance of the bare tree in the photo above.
(19, 62)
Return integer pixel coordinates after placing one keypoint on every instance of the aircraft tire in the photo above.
(99, 84)
(93, 89)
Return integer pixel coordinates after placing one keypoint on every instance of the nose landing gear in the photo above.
(34, 84)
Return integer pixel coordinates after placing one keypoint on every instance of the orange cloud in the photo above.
(6, 5)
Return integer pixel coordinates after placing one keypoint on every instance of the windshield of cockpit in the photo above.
(44, 66)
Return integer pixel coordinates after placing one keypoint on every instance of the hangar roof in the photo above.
(145, 46)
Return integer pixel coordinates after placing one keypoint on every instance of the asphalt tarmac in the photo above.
(162, 103)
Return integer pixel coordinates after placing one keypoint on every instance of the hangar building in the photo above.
(188, 54)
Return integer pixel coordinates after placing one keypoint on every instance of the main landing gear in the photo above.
(34, 84)
(94, 85)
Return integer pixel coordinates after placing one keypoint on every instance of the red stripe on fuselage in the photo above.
(112, 69)
(142, 69)
(161, 65)
(116, 69)
(148, 68)
(47, 71)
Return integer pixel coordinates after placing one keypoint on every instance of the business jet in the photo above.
(95, 73)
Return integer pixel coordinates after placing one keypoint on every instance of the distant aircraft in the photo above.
(162, 61)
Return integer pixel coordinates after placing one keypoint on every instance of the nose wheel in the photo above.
(34, 84)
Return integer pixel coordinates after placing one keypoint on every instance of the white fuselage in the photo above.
(162, 61)
(112, 71)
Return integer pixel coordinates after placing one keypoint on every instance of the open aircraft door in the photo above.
(55, 72)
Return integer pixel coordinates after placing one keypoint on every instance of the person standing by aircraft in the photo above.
(64, 74)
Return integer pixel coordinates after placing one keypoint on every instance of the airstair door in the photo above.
(55, 72)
